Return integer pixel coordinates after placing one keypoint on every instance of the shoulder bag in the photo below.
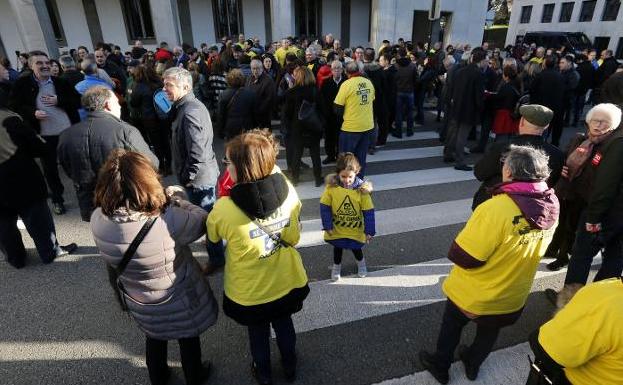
(114, 273)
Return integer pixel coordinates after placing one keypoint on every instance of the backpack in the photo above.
(162, 104)
(523, 100)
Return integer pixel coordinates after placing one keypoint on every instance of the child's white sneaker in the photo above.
(336, 272)
(362, 270)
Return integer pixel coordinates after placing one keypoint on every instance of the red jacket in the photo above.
(324, 73)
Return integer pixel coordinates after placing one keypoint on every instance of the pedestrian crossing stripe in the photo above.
(346, 208)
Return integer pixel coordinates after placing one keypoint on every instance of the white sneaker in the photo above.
(362, 270)
(336, 272)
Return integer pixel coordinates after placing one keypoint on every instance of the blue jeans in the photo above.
(585, 248)
(259, 340)
(39, 224)
(204, 197)
(357, 143)
(404, 101)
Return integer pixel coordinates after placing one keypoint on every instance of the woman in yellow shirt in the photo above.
(264, 280)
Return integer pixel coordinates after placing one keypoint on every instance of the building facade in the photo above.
(600, 20)
(57, 25)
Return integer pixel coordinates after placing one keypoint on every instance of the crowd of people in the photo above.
(99, 115)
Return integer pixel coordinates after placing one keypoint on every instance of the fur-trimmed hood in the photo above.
(364, 186)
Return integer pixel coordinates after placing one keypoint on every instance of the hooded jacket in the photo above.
(264, 276)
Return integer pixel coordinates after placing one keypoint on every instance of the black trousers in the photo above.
(332, 131)
(337, 254)
(156, 359)
(297, 145)
(556, 127)
(50, 169)
(259, 341)
(450, 335)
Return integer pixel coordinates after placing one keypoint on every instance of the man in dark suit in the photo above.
(548, 90)
(466, 97)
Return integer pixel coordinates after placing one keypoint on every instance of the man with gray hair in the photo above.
(333, 122)
(194, 161)
(265, 93)
(496, 256)
(84, 147)
(70, 74)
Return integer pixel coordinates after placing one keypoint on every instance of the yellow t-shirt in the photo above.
(586, 336)
(356, 96)
(257, 270)
(280, 54)
(497, 234)
(346, 207)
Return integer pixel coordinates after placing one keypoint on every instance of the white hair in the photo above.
(613, 112)
(180, 76)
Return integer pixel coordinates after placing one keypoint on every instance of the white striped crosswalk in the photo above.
(354, 331)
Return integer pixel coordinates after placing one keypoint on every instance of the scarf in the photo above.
(580, 155)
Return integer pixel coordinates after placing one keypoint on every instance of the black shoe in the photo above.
(371, 151)
(328, 160)
(289, 372)
(396, 134)
(428, 362)
(463, 167)
(319, 182)
(409, 133)
(260, 380)
(67, 249)
(557, 265)
(18, 264)
(448, 159)
(471, 372)
(59, 208)
(551, 295)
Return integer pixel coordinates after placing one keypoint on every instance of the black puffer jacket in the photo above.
(236, 109)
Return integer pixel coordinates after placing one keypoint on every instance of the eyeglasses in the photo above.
(599, 122)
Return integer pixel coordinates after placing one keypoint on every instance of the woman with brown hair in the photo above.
(163, 287)
(300, 101)
(156, 131)
(236, 106)
(264, 280)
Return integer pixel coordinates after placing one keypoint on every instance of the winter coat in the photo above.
(328, 92)
(406, 76)
(587, 77)
(84, 147)
(374, 72)
(167, 295)
(72, 77)
(488, 170)
(547, 89)
(24, 94)
(143, 99)
(236, 108)
(194, 161)
(467, 95)
(22, 181)
(293, 100)
(265, 94)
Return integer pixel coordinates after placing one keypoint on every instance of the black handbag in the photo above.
(114, 273)
(309, 118)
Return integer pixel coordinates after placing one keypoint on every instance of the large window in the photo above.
(619, 53)
(611, 10)
(566, 11)
(588, 8)
(548, 13)
(138, 22)
(55, 19)
(601, 42)
(308, 17)
(228, 18)
(526, 12)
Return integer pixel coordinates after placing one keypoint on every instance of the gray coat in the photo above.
(168, 296)
(194, 161)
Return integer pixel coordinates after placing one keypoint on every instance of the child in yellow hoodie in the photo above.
(347, 213)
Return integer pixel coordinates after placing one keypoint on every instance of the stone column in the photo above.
(282, 18)
(164, 15)
(34, 25)
(383, 21)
